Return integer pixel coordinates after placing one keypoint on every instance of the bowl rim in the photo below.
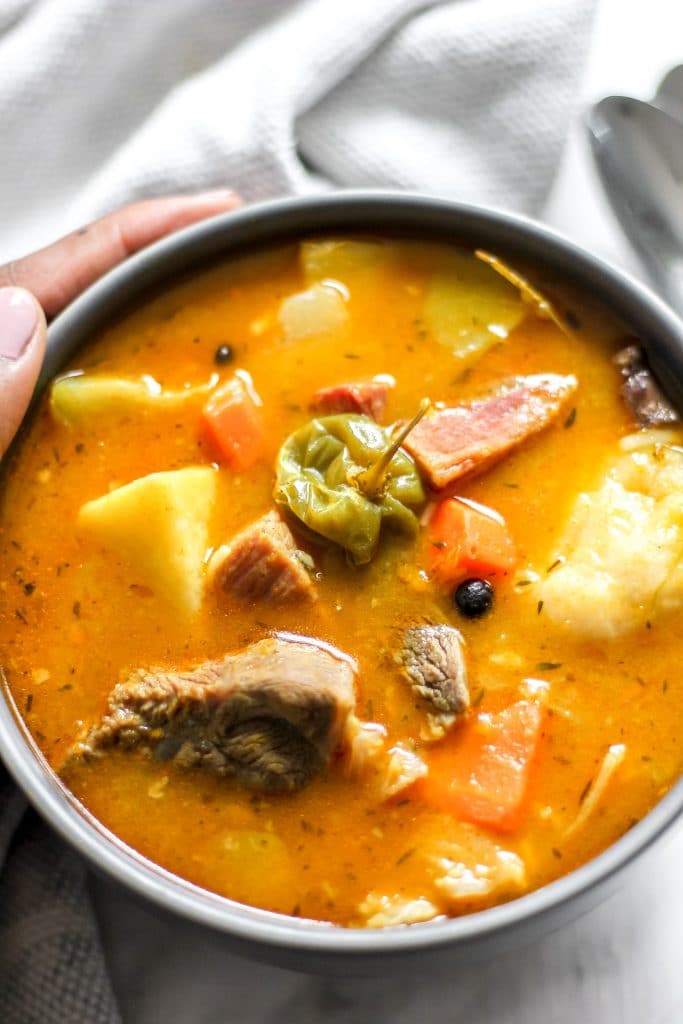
(257, 226)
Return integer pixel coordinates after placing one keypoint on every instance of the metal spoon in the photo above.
(638, 149)
(669, 95)
(639, 152)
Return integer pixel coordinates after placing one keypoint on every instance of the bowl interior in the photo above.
(260, 932)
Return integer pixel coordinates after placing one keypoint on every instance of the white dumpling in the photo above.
(621, 553)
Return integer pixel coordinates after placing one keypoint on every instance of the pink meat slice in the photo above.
(452, 443)
(367, 397)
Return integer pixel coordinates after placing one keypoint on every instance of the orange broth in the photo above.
(74, 620)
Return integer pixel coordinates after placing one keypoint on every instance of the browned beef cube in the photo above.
(262, 563)
(270, 716)
(434, 662)
(641, 391)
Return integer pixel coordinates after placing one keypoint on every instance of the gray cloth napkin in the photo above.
(102, 101)
(52, 968)
(105, 100)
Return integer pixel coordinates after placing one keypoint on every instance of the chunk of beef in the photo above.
(270, 716)
(262, 563)
(452, 443)
(640, 390)
(433, 660)
(367, 397)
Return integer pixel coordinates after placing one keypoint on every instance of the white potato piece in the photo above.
(159, 526)
(622, 549)
(321, 309)
(476, 869)
(462, 882)
(468, 307)
(78, 398)
(391, 770)
(388, 911)
(403, 768)
(364, 745)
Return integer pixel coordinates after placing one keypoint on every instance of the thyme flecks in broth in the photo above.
(282, 702)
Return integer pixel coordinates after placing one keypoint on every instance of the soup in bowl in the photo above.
(341, 576)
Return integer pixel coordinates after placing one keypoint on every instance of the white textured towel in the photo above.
(105, 100)
(102, 101)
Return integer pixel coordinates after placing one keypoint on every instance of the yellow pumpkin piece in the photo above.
(159, 525)
(244, 852)
(76, 399)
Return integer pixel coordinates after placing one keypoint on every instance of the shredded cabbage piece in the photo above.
(610, 762)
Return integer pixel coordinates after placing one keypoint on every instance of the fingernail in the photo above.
(18, 321)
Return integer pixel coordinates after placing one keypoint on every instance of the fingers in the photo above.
(22, 344)
(57, 274)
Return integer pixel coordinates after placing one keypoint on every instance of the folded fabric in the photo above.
(103, 101)
(52, 968)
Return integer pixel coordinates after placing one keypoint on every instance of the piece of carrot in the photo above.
(232, 420)
(469, 539)
(484, 777)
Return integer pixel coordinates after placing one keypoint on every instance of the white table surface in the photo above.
(620, 963)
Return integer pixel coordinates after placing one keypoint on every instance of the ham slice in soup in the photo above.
(366, 397)
(452, 443)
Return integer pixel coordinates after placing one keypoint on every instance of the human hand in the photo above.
(42, 284)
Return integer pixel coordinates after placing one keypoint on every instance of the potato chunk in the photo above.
(467, 879)
(622, 550)
(319, 310)
(385, 911)
(159, 525)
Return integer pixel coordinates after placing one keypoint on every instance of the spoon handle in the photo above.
(638, 150)
(639, 153)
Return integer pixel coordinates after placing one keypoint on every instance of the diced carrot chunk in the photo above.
(484, 777)
(467, 539)
(232, 420)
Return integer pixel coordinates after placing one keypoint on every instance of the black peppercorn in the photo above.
(473, 598)
(224, 354)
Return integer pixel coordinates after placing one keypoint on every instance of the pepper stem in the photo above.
(371, 480)
(544, 308)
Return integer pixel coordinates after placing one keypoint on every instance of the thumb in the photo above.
(22, 344)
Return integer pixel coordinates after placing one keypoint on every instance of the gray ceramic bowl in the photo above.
(282, 940)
